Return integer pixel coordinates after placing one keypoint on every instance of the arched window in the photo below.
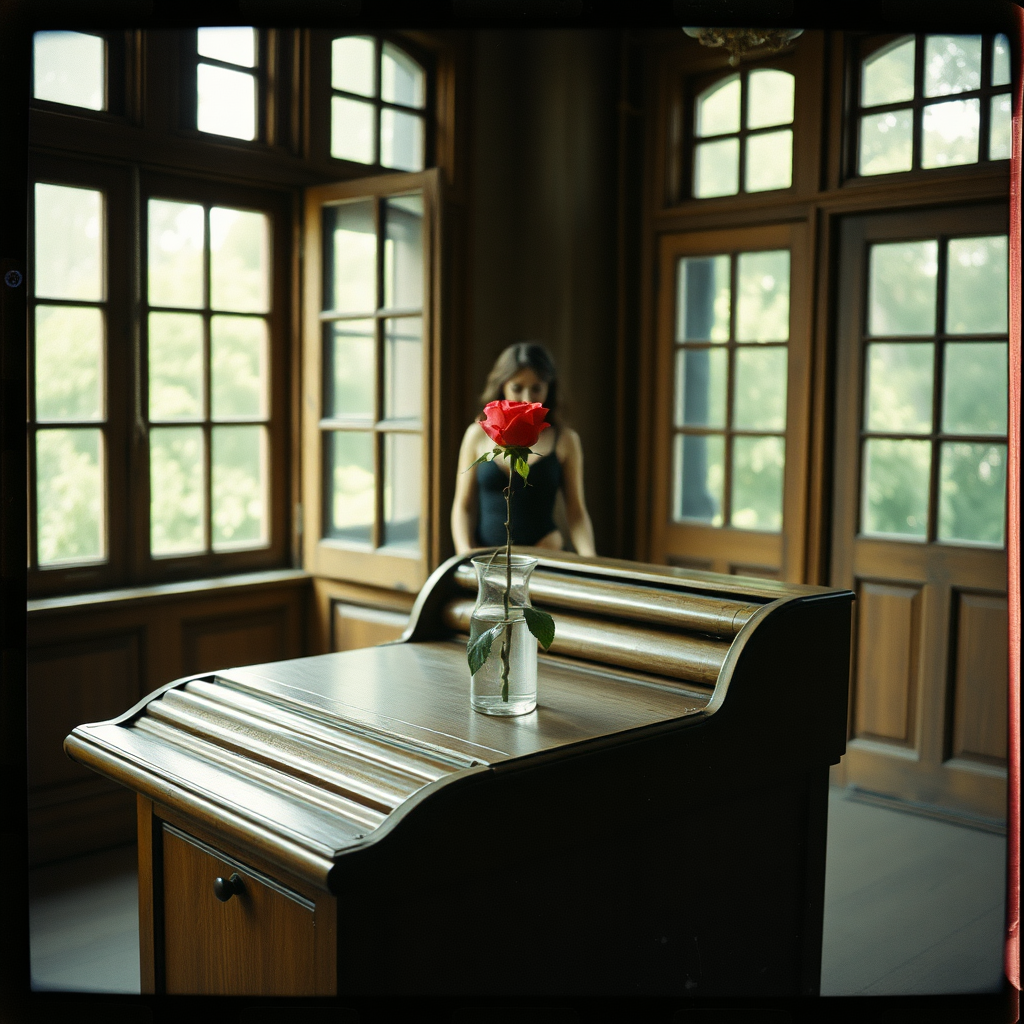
(907, 117)
(378, 104)
(743, 134)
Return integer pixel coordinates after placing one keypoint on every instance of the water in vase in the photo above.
(485, 687)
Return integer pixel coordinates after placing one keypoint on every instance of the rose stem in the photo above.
(506, 638)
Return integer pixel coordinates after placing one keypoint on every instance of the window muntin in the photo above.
(933, 463)
(227, 95)
(70, 68)
(67, 359)
(208, 380)
(932, 101)
(731, 367)
(742, 135)
(371, 421)
(378, 104)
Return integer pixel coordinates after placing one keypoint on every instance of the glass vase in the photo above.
(516, 640)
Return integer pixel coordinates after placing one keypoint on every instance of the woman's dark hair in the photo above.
(526, 355)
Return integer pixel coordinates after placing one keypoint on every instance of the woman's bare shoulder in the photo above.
(475, 439)
(568, 442)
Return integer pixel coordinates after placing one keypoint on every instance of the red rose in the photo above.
(514, 424)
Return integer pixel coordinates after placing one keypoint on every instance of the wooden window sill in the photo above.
(168, 591)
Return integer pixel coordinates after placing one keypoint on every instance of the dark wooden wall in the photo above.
(542, 244)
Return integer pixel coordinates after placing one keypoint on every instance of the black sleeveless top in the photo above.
(532, 506)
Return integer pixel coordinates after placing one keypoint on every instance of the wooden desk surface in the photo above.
(421, 692)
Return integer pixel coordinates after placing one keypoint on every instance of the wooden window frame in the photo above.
(321, 91)
(119, 56)
(337, 559)
(262, 71)
(858, 49)
(724, 548)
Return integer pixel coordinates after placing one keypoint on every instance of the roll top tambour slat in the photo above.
(361, 817)
(696, 659)
(359, 745)
(357, 779)
(680, 609)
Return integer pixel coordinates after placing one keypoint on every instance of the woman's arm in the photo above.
(464, 506)
(581, 530)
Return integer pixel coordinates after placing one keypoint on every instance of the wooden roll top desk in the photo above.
(346, 825)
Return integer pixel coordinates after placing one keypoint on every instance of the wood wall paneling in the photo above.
(233, 640)
(356, 626)
(885, 679)
(980, 679)
(71, 810)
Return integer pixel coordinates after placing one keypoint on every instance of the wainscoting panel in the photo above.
(92, 657)
(885, 683)
(980, 679)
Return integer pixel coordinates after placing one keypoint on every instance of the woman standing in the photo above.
(522, 373)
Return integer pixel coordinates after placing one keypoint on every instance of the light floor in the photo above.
(913, 906)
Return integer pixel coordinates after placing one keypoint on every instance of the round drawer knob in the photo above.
(225, 888)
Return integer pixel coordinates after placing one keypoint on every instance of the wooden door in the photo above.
(919, 514)
(732, 401)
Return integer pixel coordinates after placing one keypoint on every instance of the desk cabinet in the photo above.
(656, 827)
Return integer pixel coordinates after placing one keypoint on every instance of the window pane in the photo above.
(703, 296)
(402, 471)
(895, 493)
(769, 161)
(350, 257)
(403, 252)
(718, 109)
(886, 143)
(700, 387)
(888, 75)
(975, 388)
(176, 238)
(401, 78)
(239, 260)
(972, 491)
(898, 388)
(352, 124)
(177, 503)
(698, 478)
(68, 243)
(238, 370)
(999, 133)
(352, 65)
(231, 45)
(762, 312)
(227, 102)
(950, 133)
(69, 363)
(70, 67)
(716, 168)
(403, 367)
(176, 369)
(69, 495)
(901, 288)
(349, 368)
(769, 98)
(1000, 60)
(757, 470)
(350, 485)
(759, 389)
(238, 467)
(977, 285)
(401, 140)
(951, 64)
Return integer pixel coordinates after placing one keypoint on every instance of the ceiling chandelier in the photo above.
(742, 41)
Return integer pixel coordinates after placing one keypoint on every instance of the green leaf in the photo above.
(542, 626)
(522, 467)
(486, 457)
(479, 647)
